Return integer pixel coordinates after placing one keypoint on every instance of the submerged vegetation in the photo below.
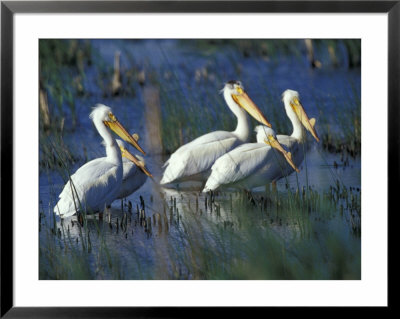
(300, 230)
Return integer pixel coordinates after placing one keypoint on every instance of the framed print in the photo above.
(164, 155)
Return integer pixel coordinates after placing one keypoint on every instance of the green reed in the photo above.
(299, 233)
(238, 235)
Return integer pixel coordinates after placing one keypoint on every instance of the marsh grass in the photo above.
(339, 128)
(72, 69)
(62, 65)
(66, 247)
(293, 233)
(345, 135)
(286, 235)
(332, 52)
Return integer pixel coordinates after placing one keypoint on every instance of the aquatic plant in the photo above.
(239, 235)
(299, 231)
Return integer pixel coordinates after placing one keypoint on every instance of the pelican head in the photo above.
(234, 91)
(137, 160)
(104, 114)
(262, 133)
(291, 100)
(267, 135)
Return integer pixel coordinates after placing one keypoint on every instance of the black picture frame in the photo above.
(9, 8)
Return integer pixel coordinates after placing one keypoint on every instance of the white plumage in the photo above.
(256, 164)
(193, 160)
(96, 183)
(134, 175)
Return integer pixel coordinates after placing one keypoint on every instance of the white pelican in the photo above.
(256, 164)
(134, 172)
(96, 183)
(193, 160)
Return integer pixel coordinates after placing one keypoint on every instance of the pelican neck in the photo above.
(112, 149)
(242, 130)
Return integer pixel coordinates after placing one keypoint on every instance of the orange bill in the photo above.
(244, 101)
(273, 142)
(120, 130)
(133, 158)
(302, 115)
